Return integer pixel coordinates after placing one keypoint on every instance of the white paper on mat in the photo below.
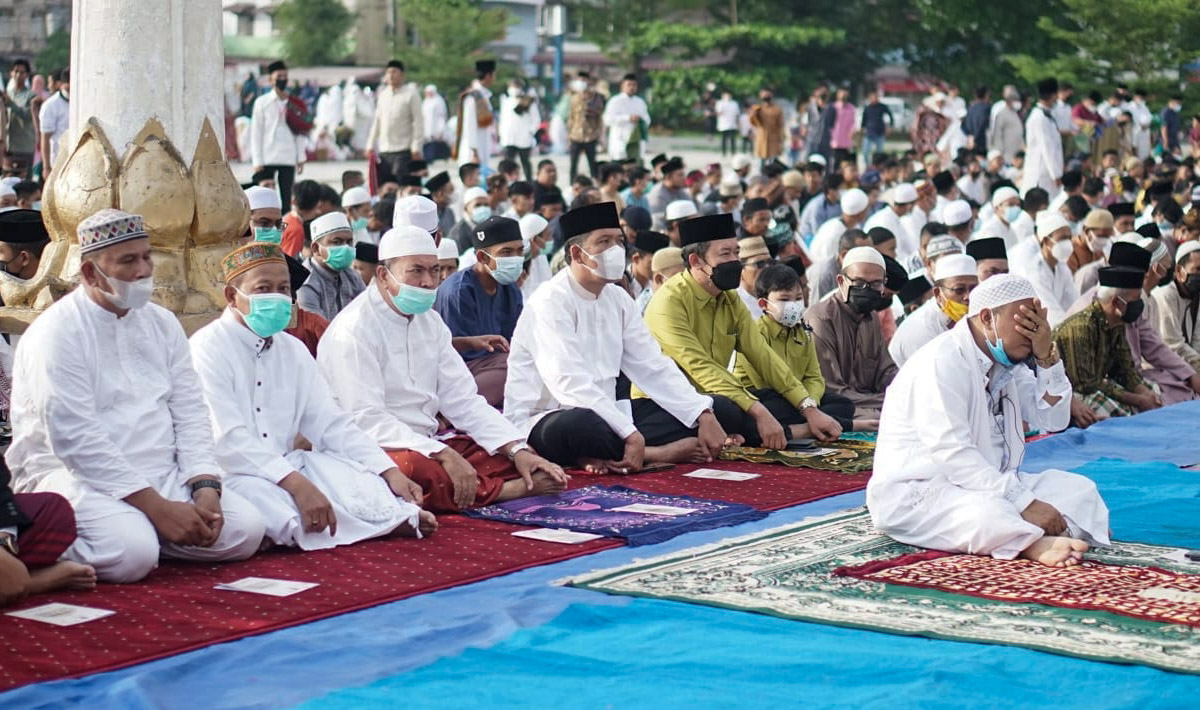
(569, 537)
(267, 586)
(651, 509)
(61, 614)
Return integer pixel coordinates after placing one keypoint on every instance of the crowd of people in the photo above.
(445, 342)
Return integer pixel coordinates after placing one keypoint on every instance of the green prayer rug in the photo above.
(789, 572)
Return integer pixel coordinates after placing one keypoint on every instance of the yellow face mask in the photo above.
(955, 310)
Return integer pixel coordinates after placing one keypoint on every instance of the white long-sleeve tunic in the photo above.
(618, 116)
(1043, 152)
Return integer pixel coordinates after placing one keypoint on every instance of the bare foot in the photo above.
(426, 521)
(683, 451)
(1056, 551)
(866, 425)
(597, 466)
(62, 575)
(543, 483)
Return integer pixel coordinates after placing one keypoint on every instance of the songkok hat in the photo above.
(1160, 249)
(1185, 249)
(355, 196)
(276, 66)
(406, 240)
(1129, 255)
(751, 247)
(22, 227)
(706, 229)
(263, 198)
(895, 275)
(870, 179)
(916, 287)
(495, 230)
(903, 194)
(367, 253)
(438, 181)
(879, 235)
(680, 209)
(1121, 276)
(953, 265)
(485, 66)
(581, 220)
(417, 211)
(793, 179)
(637, 218)
(1048, 222)
(108, 227)
(328, 224)
(244, 258)
(672, 165)
(650, 242)
(472, 194)
(942, 245)
(755, 204)
(532, 225)
(1149, 229)
(660, 158)
(956, 214)
(731, 187)
(1003, 194)
(741, 162)
(1098, 219)
(416, 166)
(854, 201)
(1000, 290)
(1121, 209)
(409, 181)
(297, 274)
(863, 255)
(665, 259)
(448, 249)
(987, 248)
(943, 181)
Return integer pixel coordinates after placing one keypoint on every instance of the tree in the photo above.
(450, 36)
(55, 55)
(314, 31)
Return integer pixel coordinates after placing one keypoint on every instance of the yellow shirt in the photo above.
(701, 332)
(795, 346)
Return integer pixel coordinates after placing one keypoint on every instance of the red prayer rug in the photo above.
(176, 608)
(1147, 593)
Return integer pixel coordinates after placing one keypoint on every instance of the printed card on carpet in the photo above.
(843, 456)
(790, 572)
(616, 511)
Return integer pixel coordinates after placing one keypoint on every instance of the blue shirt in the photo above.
(468, 310)
(632, 200)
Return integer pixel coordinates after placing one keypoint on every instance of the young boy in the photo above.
(783, 296)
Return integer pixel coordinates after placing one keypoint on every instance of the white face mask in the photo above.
(1102, 245)
(578, 85)
(786, 313)
(1061, 250)
(127, 295)
(610, 263)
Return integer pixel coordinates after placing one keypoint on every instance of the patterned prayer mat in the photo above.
(597, 509)
(843, 456)
(789, 572)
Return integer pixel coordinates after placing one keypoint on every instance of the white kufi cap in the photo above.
(263, 198)
(1000, 290)
(407, 240)
(532, 225)
(863, 255)
(681, 209)
(854, 201)
(329, 223)
(1048, 222)
(953, 265)
(417, 211)
(956, 213)
(355, 196)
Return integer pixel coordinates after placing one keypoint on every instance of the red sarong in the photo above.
(52, 531)
(492, 472)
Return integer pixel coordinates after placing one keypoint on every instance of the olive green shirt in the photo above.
(1095, 354)
(796, 347)
(700, 333)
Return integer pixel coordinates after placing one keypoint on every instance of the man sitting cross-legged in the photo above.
(263, 391)
(952, 439)
(390, 363)
(576, 336)
(107, 412)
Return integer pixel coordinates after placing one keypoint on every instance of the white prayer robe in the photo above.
(474, 137)
(1054, 287)
(948, 459)
(433, 113)
(925, 324)
(104, 407)
(517, 129)
(617, 116)
(394, 374)
(539, 274)
(995, 227)
(262, 394)
(1043, 152)
(570, 346)
(907, 243)
(825, 243)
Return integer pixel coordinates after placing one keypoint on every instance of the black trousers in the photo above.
(729, 138)
(285, 177)
(511, 152)
(393, 166)
(588, 149)
(735, 421)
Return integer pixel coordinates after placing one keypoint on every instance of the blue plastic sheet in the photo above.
(1168, 434)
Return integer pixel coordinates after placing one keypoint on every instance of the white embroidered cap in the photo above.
(417, 211)
(1185, 249)
(448, 249)
(263, 198)
(532, 225)
(1000, 290)
(863, 255)
(903, 194)
(956, 213)
(408, 240)
(355, 196)
(1048, 222)
(953, 265)
(1002, 195)
(328, 224)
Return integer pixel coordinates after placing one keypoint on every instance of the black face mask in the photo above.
(281, 84)
(885, 302)
(726, 276)
(1133, 311)
(863, 299)
(1192, 285)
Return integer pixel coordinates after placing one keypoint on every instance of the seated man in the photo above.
(366, 258)
(574, 339)
(486, 301)
(822, 275)
(263, 390)
(35, 530)
(990, 255)
(666, 263)
(107, 412)
(783, 298)
(535, 234)
(1046, 267)
(700, 322)
(917, 292)
(1092, 245)
(755, 256)
(644, 245)
(331, 283)
(952, 437)
(447, 259)
(850, 346)
(953, 279)
(1177, 305)
(389, 361)
(1095, 350)
(266, 215)
(305, 326)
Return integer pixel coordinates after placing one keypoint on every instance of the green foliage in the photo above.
(55, 55)
(314, 31)
(450, 37)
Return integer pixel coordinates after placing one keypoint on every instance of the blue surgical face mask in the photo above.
(997, 349)
(508, 269)
(269, 313)
(1012, 213)
(1165, 228)
(412, 300)
(481, 214)
(37, 206)
(359, 225)
(273, 235)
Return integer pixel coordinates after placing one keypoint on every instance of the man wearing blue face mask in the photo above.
(485, 300)
(356, 203)
(266, 215)
(332, 284)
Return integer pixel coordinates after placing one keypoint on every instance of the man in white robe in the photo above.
(901, 200)
(263, 391)
(954, 277)
(1046, 267)
(951, 441)
(476, 117)
(389, 360)
(107, 412)
(623, 115)
(1043, 143)
(578, 334)
(854, 203)
(1006, 204)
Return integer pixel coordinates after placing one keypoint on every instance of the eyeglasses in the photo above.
(873, 285)
(960, 291)
(760, 264)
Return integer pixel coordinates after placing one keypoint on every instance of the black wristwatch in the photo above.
(8, 542)
(207, 483)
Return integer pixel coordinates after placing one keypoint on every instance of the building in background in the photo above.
(25, 25)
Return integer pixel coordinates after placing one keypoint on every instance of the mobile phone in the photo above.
(648, 468)
(801, 444)
(1193, 555)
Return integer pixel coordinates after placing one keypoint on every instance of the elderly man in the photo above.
(954, 277)
(850, 345)
(822, 275)
(700, 323)
(390, 363)
(990, 255)
(331, 283)
(1177, 305)
(1090, 248)
(485, 300)
(1046, 268)
(900, 200)
(264, 391)
(574, 339)
(854, 204)
(1006, 209)
(266, 215)
(952, 438)
(107, 413)
(755, 256)
(666, 263)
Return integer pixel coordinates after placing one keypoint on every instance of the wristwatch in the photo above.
(1051, 358)
(9, 543)
(516, 449)
(207, 483)
(807, 403)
